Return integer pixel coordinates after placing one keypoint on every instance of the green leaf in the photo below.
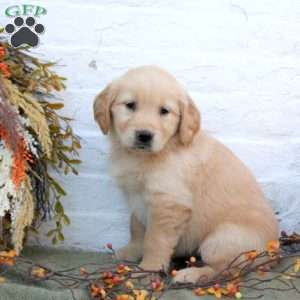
(58, 187)
(33, 230)
(54, 240)
(66, 220)
(58, 207)
(54, 129)
(66, 170)
(74, 171)
(60, 236)
(75, 161)
(77, 144)
(56, 106)
(65, 148)
(51, 232)
(58, 225)
(35, 72)
(49, 64)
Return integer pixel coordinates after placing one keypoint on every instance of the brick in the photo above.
(238, 60)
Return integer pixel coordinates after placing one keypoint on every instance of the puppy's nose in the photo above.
(144, 136)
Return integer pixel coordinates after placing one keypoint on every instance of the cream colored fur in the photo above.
(189, 193)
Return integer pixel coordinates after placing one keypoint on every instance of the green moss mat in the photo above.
(18, 288)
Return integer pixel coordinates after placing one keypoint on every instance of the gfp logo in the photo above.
(24, 29)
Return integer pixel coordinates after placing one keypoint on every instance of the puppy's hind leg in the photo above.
(219, 249)
(195, 274)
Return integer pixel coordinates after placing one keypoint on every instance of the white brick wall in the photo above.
(239, 59)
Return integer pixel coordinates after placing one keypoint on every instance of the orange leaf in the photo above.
(251, 255)
(140, 294)
(124, 297)
(199, 292)
(10, 253)
(216, 291)
(273, 247)
(7, 257)
(97, 291)
(232, 288)
(122, 269)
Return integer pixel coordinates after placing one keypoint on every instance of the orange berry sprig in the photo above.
(7, 257)
(157, 285)
(97, 291)
(273, 247)
(191, 262)
(109, 246)
(2, 52)
(4, 70)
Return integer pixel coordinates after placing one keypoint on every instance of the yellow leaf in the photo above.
(140, 294)
(297, 266)
(215, 291)
(38, 272)
(218, 294)
(129, 284)
(2, 279)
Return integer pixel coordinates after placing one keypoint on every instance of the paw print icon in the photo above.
(24, 32)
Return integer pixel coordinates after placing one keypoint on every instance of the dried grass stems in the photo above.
(29, 106)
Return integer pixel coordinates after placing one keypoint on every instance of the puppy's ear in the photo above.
(102, 105)
(189, 122)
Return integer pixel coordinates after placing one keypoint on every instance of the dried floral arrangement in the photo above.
(34, 140)
(123, 280)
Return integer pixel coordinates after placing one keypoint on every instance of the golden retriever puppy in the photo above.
(186, 191)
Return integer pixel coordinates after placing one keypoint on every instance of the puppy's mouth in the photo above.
(142, 147)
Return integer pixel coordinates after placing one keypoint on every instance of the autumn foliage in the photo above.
(126, 281)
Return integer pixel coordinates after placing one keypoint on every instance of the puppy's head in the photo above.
(146, 108)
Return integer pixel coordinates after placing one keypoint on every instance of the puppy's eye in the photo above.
(163, 111)
(131, 105)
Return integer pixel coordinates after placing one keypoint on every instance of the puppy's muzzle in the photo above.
(143, 139)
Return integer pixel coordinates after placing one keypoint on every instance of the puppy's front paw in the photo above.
(129, 252)
(152, 265)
